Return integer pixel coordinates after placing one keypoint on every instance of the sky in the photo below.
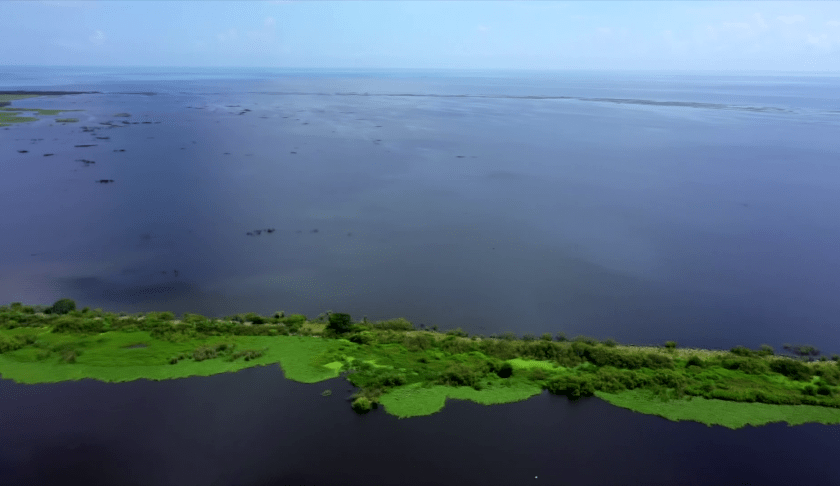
(791, 36)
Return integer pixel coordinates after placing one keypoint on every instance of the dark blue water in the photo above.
(255, 428)
(643, 207)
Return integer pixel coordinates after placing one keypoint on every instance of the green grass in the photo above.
(733, 415)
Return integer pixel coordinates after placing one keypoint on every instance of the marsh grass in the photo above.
(8, 118)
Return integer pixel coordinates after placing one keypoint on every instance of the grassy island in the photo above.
(10, 115)
(411, 372)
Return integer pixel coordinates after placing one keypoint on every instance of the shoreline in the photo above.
(413, 372)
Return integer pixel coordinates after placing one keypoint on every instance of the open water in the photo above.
(644, 207)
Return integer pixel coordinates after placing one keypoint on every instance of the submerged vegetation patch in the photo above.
(413, 372)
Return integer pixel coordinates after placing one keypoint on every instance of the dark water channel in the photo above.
(256, 428)
(645, 208)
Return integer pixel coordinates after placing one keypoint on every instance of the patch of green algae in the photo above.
(416, 399)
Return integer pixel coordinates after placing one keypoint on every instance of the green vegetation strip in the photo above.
(13, 97)
(413, 372)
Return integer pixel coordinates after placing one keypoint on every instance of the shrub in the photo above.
(546, 337)
(586, 339)
(610, 343)
(457, 332)
(573, 387)
(537, 374)
(365, 337)
(809, 390)
(694, 361)
(505, 370)
(528, 337)
(8, 344)
(68, 324)
(459, 375)
(792, 369)
(560, 337)
(508, 336)
(742, 351)
(339, 323)
(766, 350)
(255, 318)
(670, 344)
(398, 324)
(362, 405)
(747, 365)
(419, 342)
(62, 306)
(248, 354)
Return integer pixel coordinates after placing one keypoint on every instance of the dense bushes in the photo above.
(505, 370)
(339, 323)
(460, 375)
(792, 369)
(212, 351)
(398, 324)
(62, 306)
(68, 324)
(419, 342)
(601, 356)
(13, 343)
(747, 365)
(572, 386)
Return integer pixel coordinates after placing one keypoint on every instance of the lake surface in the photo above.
(256, 428)
(644, 207)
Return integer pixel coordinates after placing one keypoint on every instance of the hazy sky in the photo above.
(747, 35)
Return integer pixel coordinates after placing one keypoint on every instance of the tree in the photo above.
(62, 306)
(340, 323)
